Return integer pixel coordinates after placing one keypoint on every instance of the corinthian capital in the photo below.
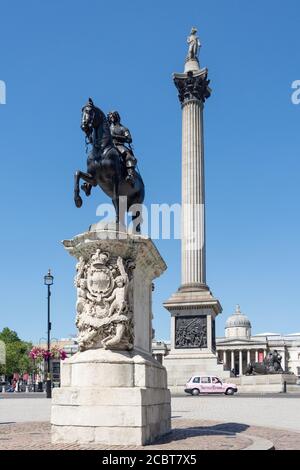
(192, 85)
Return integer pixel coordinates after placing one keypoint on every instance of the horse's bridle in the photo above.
(88, 135)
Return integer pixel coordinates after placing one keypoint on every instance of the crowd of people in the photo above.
(23, 383)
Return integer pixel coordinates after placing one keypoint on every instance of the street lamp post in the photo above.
(48, 281)
(33, 375)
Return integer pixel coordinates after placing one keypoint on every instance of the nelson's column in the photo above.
(193, 308)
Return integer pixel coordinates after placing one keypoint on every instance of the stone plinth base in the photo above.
(272, 383)
(110, 397)
(193, 343)
(181, 367)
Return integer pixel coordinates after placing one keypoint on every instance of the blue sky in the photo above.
(54, 55)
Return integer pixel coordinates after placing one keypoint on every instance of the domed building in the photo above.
(238, 325)
(238, 348)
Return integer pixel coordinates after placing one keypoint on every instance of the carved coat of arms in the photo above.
(104, 317)
(100, 281)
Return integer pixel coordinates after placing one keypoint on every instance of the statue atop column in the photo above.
(194, 45)
(193, 84)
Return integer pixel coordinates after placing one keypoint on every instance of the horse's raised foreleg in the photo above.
(87, 188)
(89, 183)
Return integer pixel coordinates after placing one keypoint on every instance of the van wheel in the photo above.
(229, 391)
(195, 392)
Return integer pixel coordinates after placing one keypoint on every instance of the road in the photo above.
(275, 411)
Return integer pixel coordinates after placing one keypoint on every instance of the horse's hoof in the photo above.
(78, 201)
(86, 187)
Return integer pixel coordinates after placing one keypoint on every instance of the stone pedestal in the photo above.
(193, 341)
(269, 383)
(113, 391)
(117, 398)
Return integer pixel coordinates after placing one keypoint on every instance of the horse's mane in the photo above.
(101, 120)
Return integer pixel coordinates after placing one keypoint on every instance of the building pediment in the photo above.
(240, 341)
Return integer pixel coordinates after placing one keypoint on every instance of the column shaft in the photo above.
(283, 364)
(224, 358)
(232, 359)
(248, 356)
(240, 362)
(193, 195)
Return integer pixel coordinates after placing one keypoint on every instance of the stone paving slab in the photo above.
(186, 435)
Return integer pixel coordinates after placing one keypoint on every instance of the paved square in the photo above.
(224, 423)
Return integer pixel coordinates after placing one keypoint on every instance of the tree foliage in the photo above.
(17, 358)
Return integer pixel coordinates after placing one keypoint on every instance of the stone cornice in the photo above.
(118, 243)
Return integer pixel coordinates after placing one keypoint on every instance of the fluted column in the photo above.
(193, 90)
(224, 357)
(193, 209)
(283, 361)
(232, 360)
(240, 362)
(248, 356)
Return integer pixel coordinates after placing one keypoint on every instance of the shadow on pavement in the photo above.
(225, 429)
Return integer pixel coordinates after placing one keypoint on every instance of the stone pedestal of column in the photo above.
(112, 391)
(193, 346)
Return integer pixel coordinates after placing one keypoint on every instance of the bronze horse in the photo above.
(106, 167)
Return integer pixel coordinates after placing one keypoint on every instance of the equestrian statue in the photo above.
(111, 164)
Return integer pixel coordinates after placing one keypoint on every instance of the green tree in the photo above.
(9, 336)
(17, 359)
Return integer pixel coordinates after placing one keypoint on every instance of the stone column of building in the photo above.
(232, 360)
(248, 356)
(256, 355)
(283, 360)
(193, 307)
(240, 362)
(224, 358)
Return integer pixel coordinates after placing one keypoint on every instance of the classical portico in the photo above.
(237, 354)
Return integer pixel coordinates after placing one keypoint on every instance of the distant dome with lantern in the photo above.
(238, 325)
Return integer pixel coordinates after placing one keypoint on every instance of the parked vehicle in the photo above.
(208, 384)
